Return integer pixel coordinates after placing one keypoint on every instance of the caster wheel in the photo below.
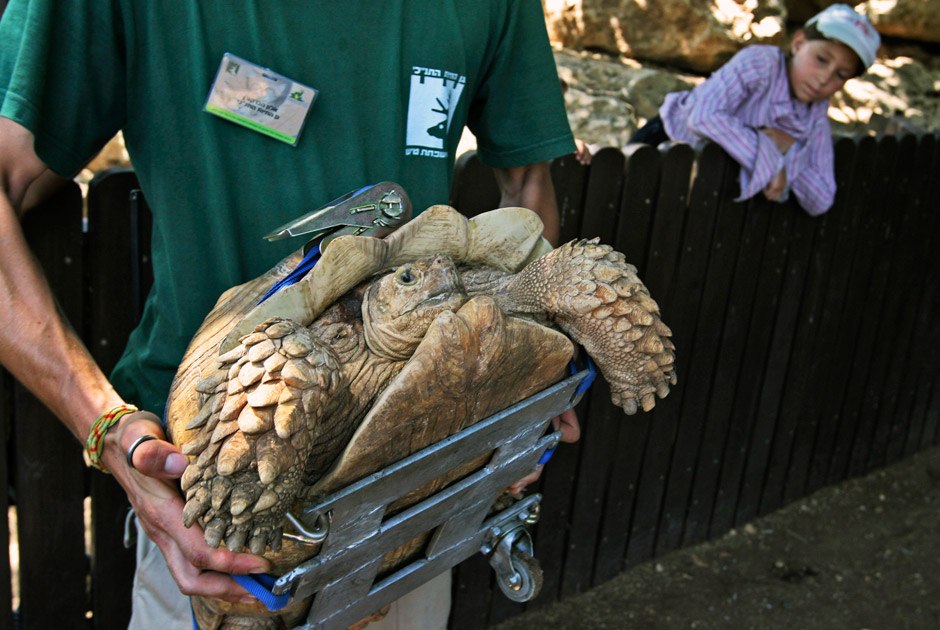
(526, 582)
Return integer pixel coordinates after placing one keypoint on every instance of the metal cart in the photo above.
(357, 534)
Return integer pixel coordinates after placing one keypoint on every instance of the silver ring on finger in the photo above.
(133, 447)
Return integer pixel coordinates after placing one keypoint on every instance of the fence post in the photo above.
(117, 277)
(50, 474)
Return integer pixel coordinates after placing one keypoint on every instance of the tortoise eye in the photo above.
(406, 277)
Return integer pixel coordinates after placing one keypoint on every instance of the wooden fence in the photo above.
(808, 351)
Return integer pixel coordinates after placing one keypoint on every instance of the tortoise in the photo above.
(268, 396)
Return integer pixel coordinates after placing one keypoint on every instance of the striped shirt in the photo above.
(749, 92)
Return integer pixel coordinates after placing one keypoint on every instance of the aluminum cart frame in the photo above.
(356, 534)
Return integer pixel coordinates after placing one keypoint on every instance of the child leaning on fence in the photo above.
(768, 109)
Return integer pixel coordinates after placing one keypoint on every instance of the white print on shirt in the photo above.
(432, 101)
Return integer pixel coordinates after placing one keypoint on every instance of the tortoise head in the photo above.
(399, 307)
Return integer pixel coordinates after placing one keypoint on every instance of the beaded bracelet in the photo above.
(94, 445)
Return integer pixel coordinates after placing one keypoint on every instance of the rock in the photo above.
(903, 89)
(798, 11)
(693, 34)
(917, 20)
(607, 98)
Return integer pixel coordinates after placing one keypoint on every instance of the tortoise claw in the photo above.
(214, 532)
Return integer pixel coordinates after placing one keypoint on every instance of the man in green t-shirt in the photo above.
(239, 117)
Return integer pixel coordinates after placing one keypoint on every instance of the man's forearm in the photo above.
(37, 345)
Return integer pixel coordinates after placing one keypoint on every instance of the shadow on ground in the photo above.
(864, 554)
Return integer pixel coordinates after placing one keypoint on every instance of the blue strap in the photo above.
(260, 585)
(309, 260)
(582, 387)
(587, 380)
(547, 455)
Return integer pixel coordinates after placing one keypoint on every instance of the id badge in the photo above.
(260, 99)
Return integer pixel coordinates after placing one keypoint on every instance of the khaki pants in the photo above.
(159, 605)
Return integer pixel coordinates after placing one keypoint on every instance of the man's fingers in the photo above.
(198, 568)
(156, 458)
(568, 424)
(526, 481)
(207, 583)
(145, 448)
(191, 544)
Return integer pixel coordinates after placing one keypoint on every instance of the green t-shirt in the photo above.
(76, 72)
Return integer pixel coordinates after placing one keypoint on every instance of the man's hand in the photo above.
(153, 491)
(570, 429)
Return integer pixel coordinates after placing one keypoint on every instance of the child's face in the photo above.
(819, 67)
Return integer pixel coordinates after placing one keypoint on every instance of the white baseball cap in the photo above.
(842, 23)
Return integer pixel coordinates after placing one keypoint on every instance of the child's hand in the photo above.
(782, 139)
(774, 190)
(582, 152)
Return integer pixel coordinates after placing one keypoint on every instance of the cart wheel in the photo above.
(528, 578)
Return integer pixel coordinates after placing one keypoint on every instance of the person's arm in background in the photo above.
(44, 353)
(530, 186)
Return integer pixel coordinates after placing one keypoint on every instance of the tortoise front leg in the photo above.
(595, 296)
(255, 432)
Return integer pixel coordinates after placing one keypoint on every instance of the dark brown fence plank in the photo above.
(878, 233)
(472, 592)
(927, 399)
(762, 390)
(660, 278)
(474, 189)
(693, 272)
(918, 390)
(744, 383)
(639, 192)
(602, 195)
(839, 326)
(552, 533)
(50, 474)
(719, 334)
(922, 214)
(117, 264)
(803, 393)
(570, 179)
(598, 442)
(931, 397)
(781, 358)
(893, 333)
(8, 458)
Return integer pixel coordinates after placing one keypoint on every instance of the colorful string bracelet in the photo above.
(94, 445)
